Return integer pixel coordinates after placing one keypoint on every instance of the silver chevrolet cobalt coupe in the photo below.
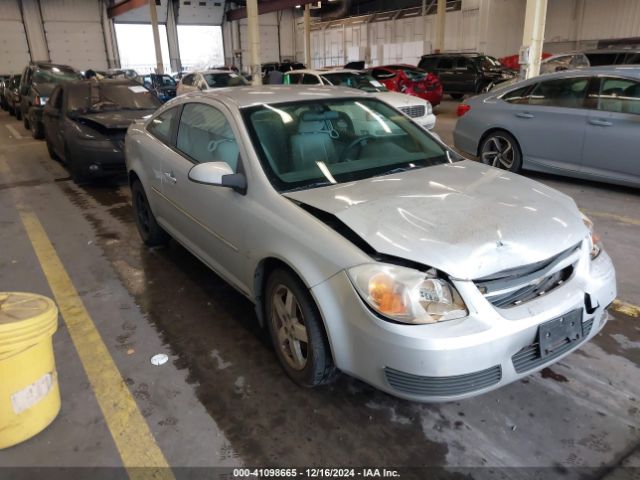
(366, 244)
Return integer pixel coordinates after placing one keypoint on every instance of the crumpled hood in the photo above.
(120, 119)
(399, 99)
(465, 219)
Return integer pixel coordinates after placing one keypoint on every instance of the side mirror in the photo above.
(218, 174)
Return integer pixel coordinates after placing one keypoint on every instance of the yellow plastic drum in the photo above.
(29, 393)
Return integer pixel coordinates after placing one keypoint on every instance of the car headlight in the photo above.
(407, 295)
(594, 239)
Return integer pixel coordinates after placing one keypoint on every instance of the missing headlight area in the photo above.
(514, 287)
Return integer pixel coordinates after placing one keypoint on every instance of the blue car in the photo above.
(581, 123)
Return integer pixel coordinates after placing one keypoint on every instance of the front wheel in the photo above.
(37, 130)
(25, 121)
(297, 330)
(18, 113)
(152, 234)
(500, 149)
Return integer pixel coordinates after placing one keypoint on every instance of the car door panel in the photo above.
(550, 126)
(204, 217)
(612, 140)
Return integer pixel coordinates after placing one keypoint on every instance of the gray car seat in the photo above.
(314, 141)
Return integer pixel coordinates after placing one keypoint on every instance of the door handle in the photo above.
(600, 122)
(170, 178)
(525, 115)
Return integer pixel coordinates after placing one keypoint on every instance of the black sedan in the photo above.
(85, 124)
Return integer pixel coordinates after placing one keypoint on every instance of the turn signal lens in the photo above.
(594, 239)
(407, 295)
(462, 109)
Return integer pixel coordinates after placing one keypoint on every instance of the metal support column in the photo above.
(440, 24)
(307, 36)
(156, 36)
(172, 37)
(533, 37)
(254, 42)
(34, 30)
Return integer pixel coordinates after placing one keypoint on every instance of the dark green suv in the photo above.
(465, 73)
(36, 84)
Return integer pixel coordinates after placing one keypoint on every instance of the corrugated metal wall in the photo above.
(74, 33)
(14, 50)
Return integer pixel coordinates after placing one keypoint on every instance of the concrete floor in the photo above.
(222, 399)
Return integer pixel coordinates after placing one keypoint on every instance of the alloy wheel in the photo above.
(290, 330)
(498, 151)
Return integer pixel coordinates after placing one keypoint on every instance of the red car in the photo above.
(513, 61)
(410, 80)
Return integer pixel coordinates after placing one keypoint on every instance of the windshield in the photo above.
(55, 75)
(166, 81)
(355, 80)
(322, 142)
(412, 74)
(91, 97)
(488, 63)
(219, 80)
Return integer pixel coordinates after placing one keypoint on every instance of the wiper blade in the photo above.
(394, 170)
(308, 186)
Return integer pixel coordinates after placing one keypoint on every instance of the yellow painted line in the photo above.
(134, 441)
(617, 218)
(626, 308)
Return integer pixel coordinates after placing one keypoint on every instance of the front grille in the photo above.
(442, 386)
(414, 111)
(529, 357)
(516, 286)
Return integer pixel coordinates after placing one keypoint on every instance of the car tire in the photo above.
(25, 121)
(308, 363)
(11, 111)
(500, 149)
(76, 174)
(18, 113)
(151, 233)
(50, 150)
(457, 96)
(37, 130)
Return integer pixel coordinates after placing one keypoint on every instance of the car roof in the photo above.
(248, 96)
(457, 54)
(51, 65)
(211, 70)
(611, 50)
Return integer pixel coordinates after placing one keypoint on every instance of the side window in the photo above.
(308, 79)
(204, 134)
(161, 125)
(619, 95)
(562, 92)
(146, 80)
(294, 78)
(445, 63)
(631, 58)
(56, 98)
(463, 64)
(519, 96)
(188, 80)
(428, 64)
(598, 59)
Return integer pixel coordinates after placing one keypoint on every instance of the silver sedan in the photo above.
(366, 245)
(583, 123)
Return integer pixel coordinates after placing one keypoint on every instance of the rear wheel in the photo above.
(297, 330)
(37, 130)
(152, 234)
(500, 149)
